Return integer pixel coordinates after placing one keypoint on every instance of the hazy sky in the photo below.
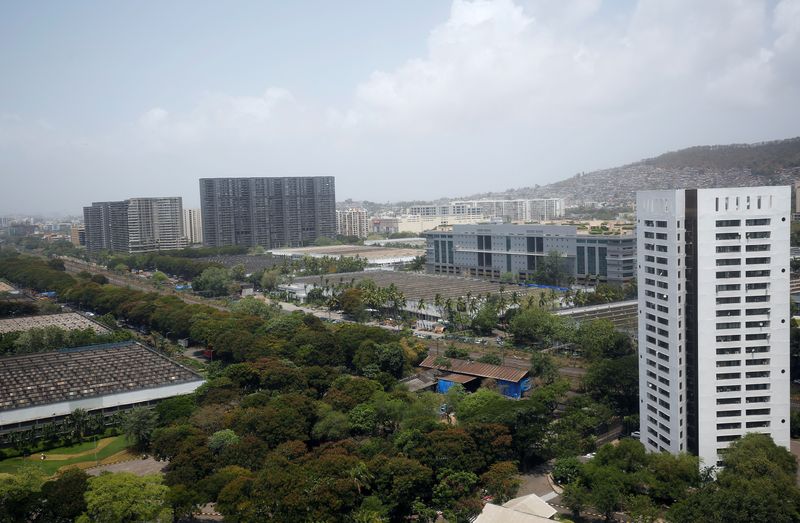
(405, 99)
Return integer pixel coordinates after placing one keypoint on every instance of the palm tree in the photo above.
(78, 421)
(138, 425)
(359, 475)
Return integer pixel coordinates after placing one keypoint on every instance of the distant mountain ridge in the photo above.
(736, 165)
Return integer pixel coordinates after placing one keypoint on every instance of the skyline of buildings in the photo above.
(713, 279)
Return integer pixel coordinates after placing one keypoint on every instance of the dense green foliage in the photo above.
(181, 267)
(757, 483)
(42, 339)
(307, 421)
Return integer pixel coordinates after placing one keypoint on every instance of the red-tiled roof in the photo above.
(458, 378)
(471, 368)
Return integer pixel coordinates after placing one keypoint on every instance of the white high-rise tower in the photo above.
(713, 274)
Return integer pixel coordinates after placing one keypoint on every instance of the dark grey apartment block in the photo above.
(270, 212)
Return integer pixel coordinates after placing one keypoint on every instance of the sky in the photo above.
(398, 99)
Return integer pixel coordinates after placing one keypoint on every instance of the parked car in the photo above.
(636, 434)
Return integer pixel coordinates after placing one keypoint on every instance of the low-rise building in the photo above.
(44, 388)
(510, 381)
(417, 223)
(492, 250)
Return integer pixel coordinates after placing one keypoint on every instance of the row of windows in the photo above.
(738, 325)
(737, 299)
(722, 262)
(738, 375)
(738, 274)
(737, 363)
(738, 350)
(657, 235)
(659, 223)
(737, 287)
(750, 222)
(737, 388)
(724, 313)
(751, 235)
(658, 272)
(738, 400)
(732, 202)
(738, 425)
(749, 412)
(738, 248)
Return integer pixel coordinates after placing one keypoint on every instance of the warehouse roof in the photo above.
(84, 372)
(471, 368)
(68, 321)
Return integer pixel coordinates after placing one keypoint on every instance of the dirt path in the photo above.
(101, 444)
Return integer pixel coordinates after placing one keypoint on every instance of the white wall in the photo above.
(99, 402)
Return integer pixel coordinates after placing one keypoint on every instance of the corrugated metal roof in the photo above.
(458, 378)
(471, 368)
(42, 378)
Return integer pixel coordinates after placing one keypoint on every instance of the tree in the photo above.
(252, 306)
(575, 497)
(270, 280)
(213, 281)
(536, 326)
(452, 486)
(757, 483)
(352, 303)
(159, 278)
(77, 421)
(543, 367)
(124, 497)
(566, 470)
(486, 319)
(615, 382)
(63, 497)
(138, 425)
(552, 270)
(222, 439)
(501, 481)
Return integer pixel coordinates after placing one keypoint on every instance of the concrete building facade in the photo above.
(135, 225)
(417, 223)
(270, 212)
(352, 222)
(491, 250)
(537, 209)
(713, 317)
(193, 226)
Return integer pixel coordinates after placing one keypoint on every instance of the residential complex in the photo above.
(491, 250)
(135, 225)
(713, 317)
(193, 226)
(352, 222)
(418, 223)
(270, 212)
(535, 210)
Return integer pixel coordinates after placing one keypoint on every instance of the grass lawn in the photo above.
(51, 466)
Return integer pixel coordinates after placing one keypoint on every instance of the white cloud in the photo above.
(505, 95)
